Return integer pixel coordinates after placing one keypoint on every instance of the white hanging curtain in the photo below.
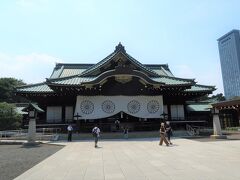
(95, 107)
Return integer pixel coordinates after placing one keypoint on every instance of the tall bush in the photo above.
(9, 118)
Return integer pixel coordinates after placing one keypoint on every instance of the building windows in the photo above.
(68, 114)
(228, 50)
(225, 40)
(54, 114)
(177, 112)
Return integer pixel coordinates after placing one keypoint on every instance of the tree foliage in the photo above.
(9, 118)
(219, 97)
(7, 90)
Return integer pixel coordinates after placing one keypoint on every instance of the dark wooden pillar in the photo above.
(169, 112)
(63, 114)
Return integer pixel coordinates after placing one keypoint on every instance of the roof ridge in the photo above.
(200, 85)
(139, 63)
(166, 72)
(31, 85)
(119, 49)
(73, 64)
(170, 77)
(102, 61)
(156, 64)
(61, 78)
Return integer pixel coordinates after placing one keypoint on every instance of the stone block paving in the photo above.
(141, 160)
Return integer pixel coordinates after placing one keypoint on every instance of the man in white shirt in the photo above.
(69, 129)
(96, 134)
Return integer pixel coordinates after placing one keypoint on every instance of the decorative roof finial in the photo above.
(120, 47)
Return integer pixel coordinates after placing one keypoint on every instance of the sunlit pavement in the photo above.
(141, 159)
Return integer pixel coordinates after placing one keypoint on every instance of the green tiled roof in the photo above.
(77, 74)
(167, 72)
(99, 64)
(200, 88)
(108, 59)
(39, 88)
(71, 72)
(32, 106)
(57, 72)
(77, 80)
(140, 64)
(73, 80)
(160, 72)
(66, 69)
(198, 107)
(173, 81)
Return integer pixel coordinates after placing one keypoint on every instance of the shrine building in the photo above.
(118, 87)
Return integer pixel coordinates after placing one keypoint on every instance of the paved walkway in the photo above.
(141, 159)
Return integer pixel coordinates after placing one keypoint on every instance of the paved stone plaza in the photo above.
(141, 159)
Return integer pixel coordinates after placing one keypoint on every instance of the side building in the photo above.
(229, 51)
(116, 88)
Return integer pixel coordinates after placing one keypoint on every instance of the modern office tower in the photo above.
(229, 50)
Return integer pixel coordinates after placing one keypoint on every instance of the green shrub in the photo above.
(9, 118)
(232, 128)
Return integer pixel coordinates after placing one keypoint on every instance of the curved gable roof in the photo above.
(119, 49)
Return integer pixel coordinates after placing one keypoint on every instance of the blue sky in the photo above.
(35, 34)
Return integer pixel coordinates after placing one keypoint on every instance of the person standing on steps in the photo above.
(96, 135)
(163, 135)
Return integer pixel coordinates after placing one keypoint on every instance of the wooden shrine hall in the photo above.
(118, 87)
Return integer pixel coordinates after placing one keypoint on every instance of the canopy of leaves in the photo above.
(219, 97)
(213, 98)
(9, 118)
(7, 90)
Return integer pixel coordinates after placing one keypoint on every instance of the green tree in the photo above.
(9, 118)
(7, 90)
(219, 97)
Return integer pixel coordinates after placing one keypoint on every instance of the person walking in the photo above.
(125, 132)
(96, 135)
(168, 131)
(69, 129)
(162, 135)
(117, 124)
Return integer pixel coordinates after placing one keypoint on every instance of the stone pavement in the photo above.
(141, 159)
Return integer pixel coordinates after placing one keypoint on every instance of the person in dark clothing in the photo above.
(168, 131)
(69, 129)
(125, 132)
(117, 123)
(163, 135)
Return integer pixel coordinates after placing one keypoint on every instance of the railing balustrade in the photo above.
(21, 134)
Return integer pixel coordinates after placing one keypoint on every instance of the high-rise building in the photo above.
(229, 51)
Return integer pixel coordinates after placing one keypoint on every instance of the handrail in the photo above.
(15, 133)
(22, 133)
(192, 131)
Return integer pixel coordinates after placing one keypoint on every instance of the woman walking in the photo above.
(163, 135)
(168, 131)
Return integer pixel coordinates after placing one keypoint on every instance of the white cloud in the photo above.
(31, 68)
(208, 76)
(211, 76)
(183, 71)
